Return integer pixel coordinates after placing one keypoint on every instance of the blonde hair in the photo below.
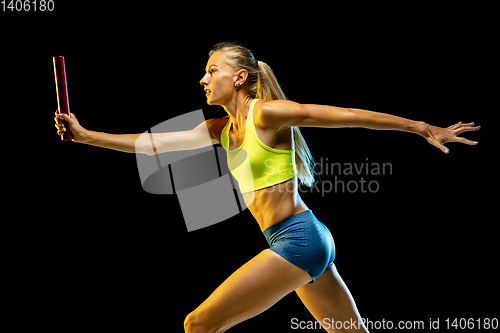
(261, 83)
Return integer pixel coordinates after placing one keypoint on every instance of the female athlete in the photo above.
(261, 129)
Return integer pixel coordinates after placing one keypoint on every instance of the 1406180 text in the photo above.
(28, 5)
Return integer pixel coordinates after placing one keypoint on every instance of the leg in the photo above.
(253, 288)
(328, 297)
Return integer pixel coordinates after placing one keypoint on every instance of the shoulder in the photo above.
(276, 113)
(215, 126)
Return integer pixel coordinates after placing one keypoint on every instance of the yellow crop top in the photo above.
(255, 165)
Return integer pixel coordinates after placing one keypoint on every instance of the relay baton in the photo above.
(62, 94)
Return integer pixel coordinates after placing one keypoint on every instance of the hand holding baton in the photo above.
(62, 94)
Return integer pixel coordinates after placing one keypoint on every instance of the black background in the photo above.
(90, 249)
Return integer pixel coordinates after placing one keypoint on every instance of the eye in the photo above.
(212, 70)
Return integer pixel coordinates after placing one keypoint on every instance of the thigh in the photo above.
(253, 288)
(329, 299)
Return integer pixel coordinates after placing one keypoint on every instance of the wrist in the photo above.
(419, 127)
(85, 136)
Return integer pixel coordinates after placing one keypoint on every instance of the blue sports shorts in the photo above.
(304, 241)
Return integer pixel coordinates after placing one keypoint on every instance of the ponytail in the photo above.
(269, 89)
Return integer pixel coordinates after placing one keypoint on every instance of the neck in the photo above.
(238, 108)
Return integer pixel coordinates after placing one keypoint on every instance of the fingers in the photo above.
(438, 145)
(443, 149)
(454, 127)
(461, 128)
(63, 116)
(59, 124)
(61, 128)
(466, 128)
(465, 141)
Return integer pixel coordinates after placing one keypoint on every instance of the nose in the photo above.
(204, 80)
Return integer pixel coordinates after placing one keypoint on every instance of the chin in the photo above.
(211, 101)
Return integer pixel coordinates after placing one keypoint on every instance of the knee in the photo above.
(190, 323)
(195, 323)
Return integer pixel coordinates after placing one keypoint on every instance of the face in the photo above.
(219, 80)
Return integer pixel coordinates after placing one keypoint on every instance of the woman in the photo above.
(263, 126)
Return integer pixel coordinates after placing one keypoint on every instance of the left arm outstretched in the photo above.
(281, 113)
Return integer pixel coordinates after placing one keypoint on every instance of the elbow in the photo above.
(352, 117)
(144, 144)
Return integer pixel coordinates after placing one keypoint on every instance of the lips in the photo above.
(208, 91)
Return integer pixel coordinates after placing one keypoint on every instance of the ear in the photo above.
(240, 77)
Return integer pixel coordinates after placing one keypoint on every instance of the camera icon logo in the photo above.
(200, 178)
